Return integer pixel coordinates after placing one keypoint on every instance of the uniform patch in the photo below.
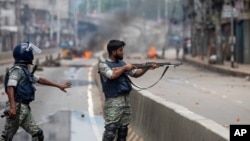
(13, 76)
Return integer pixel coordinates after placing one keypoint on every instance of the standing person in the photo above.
(20, 90)
(116, 88)
(177, 46)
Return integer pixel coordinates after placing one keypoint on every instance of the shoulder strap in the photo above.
(140, 88)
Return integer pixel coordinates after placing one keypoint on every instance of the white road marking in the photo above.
(224, 96)
(239, 101)
(194, 85)
(213, 92)
(204, 89)
(187, 82)
(97, 132)
(201, 88)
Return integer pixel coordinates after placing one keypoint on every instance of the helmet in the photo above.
(23, 53)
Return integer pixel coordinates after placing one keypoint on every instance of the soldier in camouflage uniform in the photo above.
(116, 87)
(20, 90)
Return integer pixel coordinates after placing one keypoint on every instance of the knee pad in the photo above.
(110, 132)
(122, 133)
(38, 136)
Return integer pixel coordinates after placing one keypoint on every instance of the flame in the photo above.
(74, 56)
(87, 54)
(152, 52)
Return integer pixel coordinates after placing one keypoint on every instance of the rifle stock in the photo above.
(160, 64)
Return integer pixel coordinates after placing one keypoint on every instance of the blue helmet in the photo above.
(23, 53)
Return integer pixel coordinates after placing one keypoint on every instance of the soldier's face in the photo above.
(119, 54)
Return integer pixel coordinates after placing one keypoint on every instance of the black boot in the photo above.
(109, 133)
(122, 133)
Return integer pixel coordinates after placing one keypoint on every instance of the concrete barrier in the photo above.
(7, 57)
(156, 119)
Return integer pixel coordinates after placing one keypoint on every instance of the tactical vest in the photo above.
(116, 87)
(24, 91)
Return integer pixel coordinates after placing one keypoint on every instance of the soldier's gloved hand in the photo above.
(12, 112)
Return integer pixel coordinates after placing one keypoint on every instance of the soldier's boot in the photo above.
(38, 136)
(109, 133)
(122, 133)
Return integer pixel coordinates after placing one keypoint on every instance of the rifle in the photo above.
(150, 64)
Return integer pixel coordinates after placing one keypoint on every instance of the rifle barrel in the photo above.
(149, 64)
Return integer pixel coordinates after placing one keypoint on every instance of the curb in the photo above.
(216, 68)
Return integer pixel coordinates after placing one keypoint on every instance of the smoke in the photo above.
(112, 26)
(108, 27)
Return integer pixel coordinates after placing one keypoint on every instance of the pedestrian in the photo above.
(21, 92)
(116, 88)
(177, 46)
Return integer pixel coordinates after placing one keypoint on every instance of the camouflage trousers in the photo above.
(117, 110)
(25, 120)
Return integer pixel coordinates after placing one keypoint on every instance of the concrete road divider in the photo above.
(157, 119)
(49, 57)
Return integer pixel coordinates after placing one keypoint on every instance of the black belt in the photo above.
(26, 102)
(119, 95)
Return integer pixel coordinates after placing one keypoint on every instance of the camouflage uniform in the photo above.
(24, 117)
(116, 110)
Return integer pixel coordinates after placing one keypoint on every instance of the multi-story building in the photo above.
(8, 28)
(41, 22)
(203, 23)
(49, 19)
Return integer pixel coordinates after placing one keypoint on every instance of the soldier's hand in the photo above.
(12, 112)
(66, 85)
(129, 67)
(154, 66)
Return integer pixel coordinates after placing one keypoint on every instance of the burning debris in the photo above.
(152, 54)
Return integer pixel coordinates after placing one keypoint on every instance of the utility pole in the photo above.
(158, 10)
(218, 37)
(52, 4)
(184, 30)
(192, 16)
(76, 12)
(218, 4)
(232, 39)
(169, 29)
(166, 28)
(18, 23)
(128, 5)
(87, 7)
(202, 28)
(99, 6)
(58, 37)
